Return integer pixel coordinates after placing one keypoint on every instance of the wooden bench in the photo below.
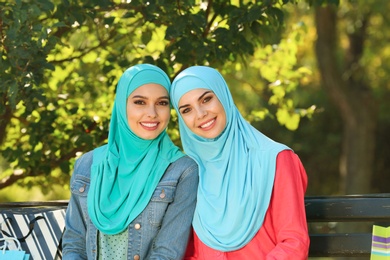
(324, 216)
(331, 212)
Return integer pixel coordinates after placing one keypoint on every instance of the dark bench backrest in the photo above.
(361, 210)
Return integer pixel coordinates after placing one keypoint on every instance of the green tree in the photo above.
(352, 54)
(60, 61)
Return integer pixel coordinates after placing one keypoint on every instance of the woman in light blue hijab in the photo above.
(251, 189)
(134, 197)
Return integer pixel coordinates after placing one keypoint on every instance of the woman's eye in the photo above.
(185, 110)
(207, 99)
(164, 103)
(139, 102)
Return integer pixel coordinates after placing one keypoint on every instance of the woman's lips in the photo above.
(149, 125)
(207, 125)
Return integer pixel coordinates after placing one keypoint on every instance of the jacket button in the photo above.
(137, 226)
(136, 257)
(82, 189)
(162, 194)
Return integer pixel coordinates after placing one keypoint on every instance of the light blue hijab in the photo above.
(126, 171)
(236, 169)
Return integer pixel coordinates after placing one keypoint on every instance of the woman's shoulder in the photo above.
(182, 167)
(82, 167)
(185, 163)
(287, 156)
(84, 162)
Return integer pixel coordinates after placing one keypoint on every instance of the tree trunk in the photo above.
(342, 78)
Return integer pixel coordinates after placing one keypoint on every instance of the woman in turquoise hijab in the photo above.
(134, 197)
(250, 202)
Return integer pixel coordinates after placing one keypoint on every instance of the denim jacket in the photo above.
(161, 231)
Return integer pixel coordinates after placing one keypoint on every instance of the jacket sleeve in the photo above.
(74, 238)
(178, 218)
(287, 209)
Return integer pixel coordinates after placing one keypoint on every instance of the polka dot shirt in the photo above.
(113, 246)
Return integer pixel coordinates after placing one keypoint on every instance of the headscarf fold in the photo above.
(236, 169)
(126, 171)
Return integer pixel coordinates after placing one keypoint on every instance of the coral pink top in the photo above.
(284, 233)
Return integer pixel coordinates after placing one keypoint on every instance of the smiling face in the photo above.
(148, 110)
(202, 112)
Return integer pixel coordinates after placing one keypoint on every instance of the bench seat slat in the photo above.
(340, 245)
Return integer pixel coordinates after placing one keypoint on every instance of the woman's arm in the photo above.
(172, 239)
(74, 238)
(287, 209)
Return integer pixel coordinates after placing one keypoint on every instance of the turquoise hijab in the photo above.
(126, 171)
(236, 169)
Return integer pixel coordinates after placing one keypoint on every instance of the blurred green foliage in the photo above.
(60, 62)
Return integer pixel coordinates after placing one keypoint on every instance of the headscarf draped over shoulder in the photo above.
(126, 171)
(236, 169)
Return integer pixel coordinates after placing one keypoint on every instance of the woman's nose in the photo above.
(152, 112)
(201, 113)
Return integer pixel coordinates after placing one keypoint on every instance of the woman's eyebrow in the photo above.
(139, 96)
(199, 98)
(183, 106)
(143, 97)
